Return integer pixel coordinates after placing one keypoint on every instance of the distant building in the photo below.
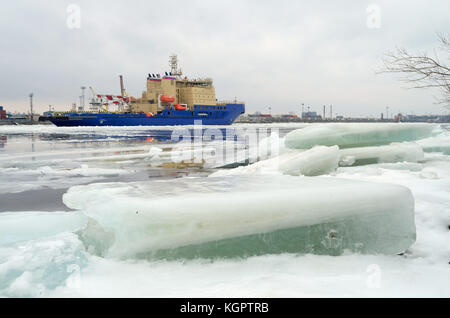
(311, 116)
(428, 118)
(2, 113)
(258, 114)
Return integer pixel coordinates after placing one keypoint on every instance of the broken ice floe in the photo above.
(439, 143)
(396, 152)
(313, 162)
(357, 134)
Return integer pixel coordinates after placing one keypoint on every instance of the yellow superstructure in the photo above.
(185, 91)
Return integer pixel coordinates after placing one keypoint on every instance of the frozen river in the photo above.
(276, 210)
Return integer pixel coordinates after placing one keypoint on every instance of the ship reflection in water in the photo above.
(3, 140)
(51, 160)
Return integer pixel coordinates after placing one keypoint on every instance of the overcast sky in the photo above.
(267, 53)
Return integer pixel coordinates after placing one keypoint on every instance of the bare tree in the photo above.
(421, 70)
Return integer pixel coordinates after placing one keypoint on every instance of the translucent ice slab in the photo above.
(24, 226)
(396, 152)
(275, 214)
(356, 134)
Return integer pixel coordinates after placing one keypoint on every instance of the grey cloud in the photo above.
(268, 53)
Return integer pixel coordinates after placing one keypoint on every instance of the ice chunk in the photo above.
(439, 143)
(356, 134)
(396, 152)
(281, 214)
(32, 268)
(24, 226)
(316, 161)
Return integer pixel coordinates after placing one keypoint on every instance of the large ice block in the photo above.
(275, 214)
(356, 134)
(396, 152)
(313, 162)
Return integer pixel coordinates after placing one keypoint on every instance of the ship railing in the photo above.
(225, 102)
(59, 113)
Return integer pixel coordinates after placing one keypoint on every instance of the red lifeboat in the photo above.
(180, 107)
(167, 99)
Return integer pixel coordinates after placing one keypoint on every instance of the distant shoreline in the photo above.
(268, 120)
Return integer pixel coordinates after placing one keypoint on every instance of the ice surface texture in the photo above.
(356, 135)
(298, 215)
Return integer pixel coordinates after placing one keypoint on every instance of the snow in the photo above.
(285, 275)
(105, 249)
(357, 135)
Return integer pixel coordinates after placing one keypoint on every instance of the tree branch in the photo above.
(422, 70)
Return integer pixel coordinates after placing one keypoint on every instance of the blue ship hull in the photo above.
(207, 114)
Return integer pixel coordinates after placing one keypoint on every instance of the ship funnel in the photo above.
(122, 89)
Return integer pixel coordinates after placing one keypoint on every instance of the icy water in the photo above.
(287, 210)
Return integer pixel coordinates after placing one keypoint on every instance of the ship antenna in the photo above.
(173, 63)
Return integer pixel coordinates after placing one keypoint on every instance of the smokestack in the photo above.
(323, 112)
(331, 111)
(82, 97)
(31, 106)
(122, 90)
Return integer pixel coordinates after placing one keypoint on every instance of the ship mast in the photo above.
(173, 63)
